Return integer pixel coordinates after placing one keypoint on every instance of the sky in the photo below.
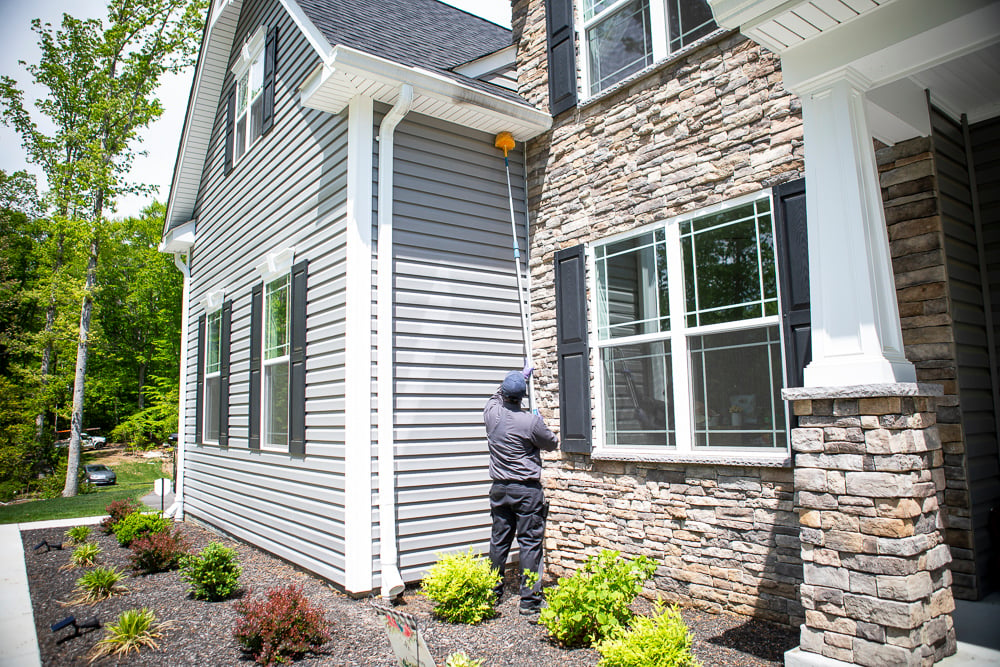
(160, 140)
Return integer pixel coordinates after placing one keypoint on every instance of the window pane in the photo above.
(276, 404)
(637, 391)
(632, 287)
(276, 318)
(729, 270)
(619, 45)
(689, 20)
(592, 8)
(211, 414)
(240, 143)
(256, 118)
(735, 384)
(242, 96)
(212, 345)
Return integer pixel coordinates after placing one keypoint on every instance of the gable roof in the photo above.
(423, 41)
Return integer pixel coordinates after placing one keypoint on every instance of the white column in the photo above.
(856, 336)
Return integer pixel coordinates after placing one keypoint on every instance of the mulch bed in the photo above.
(201, 632)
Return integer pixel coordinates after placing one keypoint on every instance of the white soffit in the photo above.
(349, 72)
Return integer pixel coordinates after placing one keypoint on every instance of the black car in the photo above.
(100, 474)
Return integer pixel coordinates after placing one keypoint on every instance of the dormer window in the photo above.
(249, 72)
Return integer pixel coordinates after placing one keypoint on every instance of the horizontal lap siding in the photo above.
(289, 189)
(457, 330)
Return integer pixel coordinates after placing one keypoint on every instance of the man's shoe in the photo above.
(529, 611)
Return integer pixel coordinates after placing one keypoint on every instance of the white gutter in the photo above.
(392, 581)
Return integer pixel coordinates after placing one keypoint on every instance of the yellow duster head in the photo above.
(505, 142)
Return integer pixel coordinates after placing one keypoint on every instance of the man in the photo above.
(517, 503)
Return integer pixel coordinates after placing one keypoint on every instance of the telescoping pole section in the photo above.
(505, 142)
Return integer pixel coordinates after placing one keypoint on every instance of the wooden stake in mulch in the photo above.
(405, 638)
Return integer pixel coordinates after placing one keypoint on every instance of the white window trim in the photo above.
(212, 303)
(252, 49)
(661, 48)
(685, 451)
(276, 262)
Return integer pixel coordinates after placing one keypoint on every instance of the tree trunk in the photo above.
(76, 422)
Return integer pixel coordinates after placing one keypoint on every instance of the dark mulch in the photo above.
(201, 632)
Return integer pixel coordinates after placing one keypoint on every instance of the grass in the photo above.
(135, 480)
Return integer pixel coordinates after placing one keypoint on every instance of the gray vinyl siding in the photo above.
(968, 292)
(288, 190)
(457, 329)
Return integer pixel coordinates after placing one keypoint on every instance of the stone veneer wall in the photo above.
(916, 242)
(713, 124)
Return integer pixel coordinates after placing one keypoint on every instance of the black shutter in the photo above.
(230, 128)
(199, 394)
(562, 55)
(574, 355)
(270, 54)
(297, 363)
(793, 276)
(225, 330)
(256, 324)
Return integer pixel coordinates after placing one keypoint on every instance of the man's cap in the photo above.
(514, 385)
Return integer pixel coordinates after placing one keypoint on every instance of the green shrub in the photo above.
(461, 584)
(85, 555)
(97, 584)
(138, 525)
(53, 485)
(118, 510)
(213, 574)
(659, 640)
(9, 490)
(281, 626)
(78, 534)
(134, 629)
(158, 552)
(462, 659)
(593, 604)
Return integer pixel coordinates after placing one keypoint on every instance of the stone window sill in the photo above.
(783, 460)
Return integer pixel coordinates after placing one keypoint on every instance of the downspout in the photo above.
(392, 581)
(176, 510)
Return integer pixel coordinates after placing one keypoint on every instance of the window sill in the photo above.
(782, 460)
(710, 38)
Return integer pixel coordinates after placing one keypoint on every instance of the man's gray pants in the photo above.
(518, 510)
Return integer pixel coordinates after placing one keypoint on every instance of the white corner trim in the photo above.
(212, 301)
(276, 263)
(358, 547)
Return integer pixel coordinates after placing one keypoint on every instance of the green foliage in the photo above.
(158, 552)
(78, 534)
(53, 485)
(281, 626)
(462, 586)
(593, 604)
(131, 631)
(462, 659)
(69, 508)
(118, 510)
(85, 555)
(98, 584)
(659, 640)
(213, 574)
(137, 525)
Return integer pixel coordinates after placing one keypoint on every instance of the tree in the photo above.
(101, 82)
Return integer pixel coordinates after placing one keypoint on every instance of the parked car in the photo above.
(98, 473)
(88, 441)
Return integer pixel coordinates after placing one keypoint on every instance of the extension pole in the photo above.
(505, 142)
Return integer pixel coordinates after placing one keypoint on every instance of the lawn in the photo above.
(135, 480)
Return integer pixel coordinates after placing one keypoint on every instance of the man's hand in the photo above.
(528, 369)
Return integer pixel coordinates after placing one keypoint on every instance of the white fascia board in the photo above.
(733, 14)
(489, 63)
(348, 71)
(178, 239)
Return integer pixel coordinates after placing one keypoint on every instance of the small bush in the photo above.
(138, 525)
(78, 534)
(593, 604)
(158, 552)
(659, 640)
(97, 584)
(461, 584)
(85, 555)
(118, 510)
(213, 574)
(281, 626)
(53, 485)
(134, 629)
(462, 659)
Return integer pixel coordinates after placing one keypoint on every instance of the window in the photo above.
(688, 334)
(621, 37)
(213, 367)
(249, 71)
(276, 357)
